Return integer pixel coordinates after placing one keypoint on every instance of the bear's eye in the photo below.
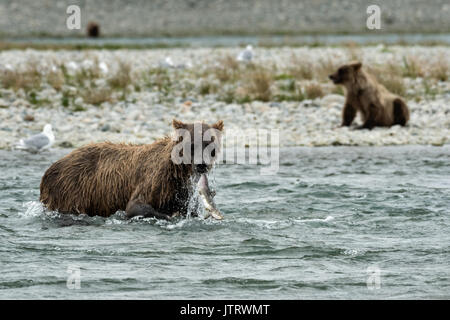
(341, 71)
(213, 153)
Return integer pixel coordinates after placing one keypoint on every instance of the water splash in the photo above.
(195, 206)
(327, 219)
(280, 224)
(33, 209)
(194, 200)
(171, 226)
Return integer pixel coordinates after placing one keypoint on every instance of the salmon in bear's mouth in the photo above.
(207, 198)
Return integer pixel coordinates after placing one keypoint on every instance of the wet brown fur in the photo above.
(101, 178)
(377, 106)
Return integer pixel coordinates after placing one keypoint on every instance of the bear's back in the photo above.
(96, 179)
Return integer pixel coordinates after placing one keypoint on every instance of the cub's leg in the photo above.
(401, 112)
(138, 208)
(370, 122)
(348, 115)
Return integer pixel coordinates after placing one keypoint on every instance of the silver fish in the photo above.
(207, 198)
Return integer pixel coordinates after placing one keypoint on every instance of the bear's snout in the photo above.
(334, 78)
(201, 168)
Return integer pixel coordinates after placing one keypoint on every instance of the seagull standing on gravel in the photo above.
(38, 142)
(87, 64)
(7, 67)
(167, 63)
(71, 66)
(103, 67)
(246, 55)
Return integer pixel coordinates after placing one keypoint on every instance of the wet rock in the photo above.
(66, 144)
(28, 117)
(105, 128)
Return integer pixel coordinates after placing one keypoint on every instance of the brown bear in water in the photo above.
(377, 105)
(154, 180)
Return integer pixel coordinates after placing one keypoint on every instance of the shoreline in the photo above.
(136, 96)
(226, 41)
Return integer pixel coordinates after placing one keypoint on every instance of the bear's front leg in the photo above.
(368, 124)
(348, 115)
(137, 208)
(370, 121)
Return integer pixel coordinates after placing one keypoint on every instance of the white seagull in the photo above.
(72, 67)
(167, 63)
(103, 67)
(246, 55)
(38, 142)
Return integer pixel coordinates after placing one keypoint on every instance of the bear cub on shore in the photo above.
(377, 106)
(154, 180)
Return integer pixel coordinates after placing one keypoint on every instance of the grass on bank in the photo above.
(28, 79)
(226, 78)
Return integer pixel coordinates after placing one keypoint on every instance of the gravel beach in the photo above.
(145, 113)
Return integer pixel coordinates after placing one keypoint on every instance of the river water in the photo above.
(235, 40)
(335, 222)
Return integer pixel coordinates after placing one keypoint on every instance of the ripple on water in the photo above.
(242, 282)
(26, 283)
(311, 232)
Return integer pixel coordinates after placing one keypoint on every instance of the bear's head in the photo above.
(197, 144)
(346, 74)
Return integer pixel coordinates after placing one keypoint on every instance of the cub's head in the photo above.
(346, 73)
(197, 144)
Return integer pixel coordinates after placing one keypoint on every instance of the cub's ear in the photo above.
(218, 125)
(178, 124)
(356, 66)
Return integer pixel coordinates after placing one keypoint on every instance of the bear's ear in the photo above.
(218, 125)
(356, 66)
(178, 124)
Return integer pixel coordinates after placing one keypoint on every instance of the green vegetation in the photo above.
(27, 80)
(440, 69)
(313, 91)
(412, 68)
(225, 79)
(122, 78)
